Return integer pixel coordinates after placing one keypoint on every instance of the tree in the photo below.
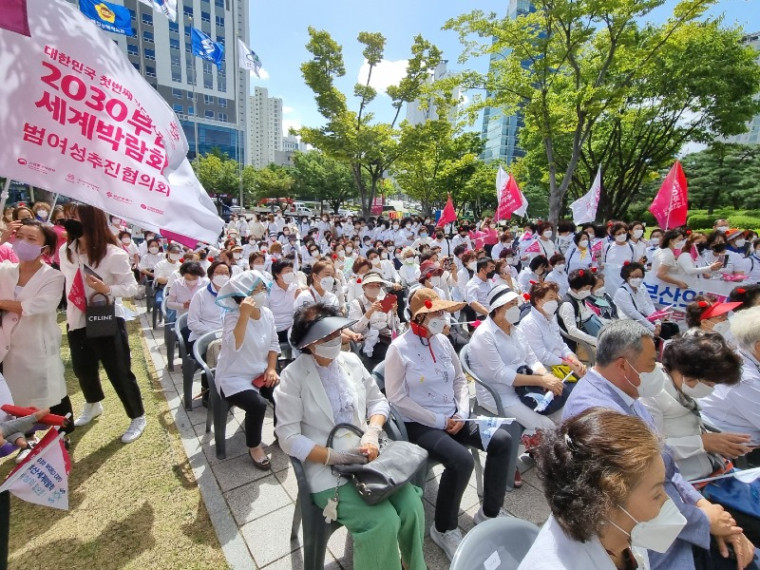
(273, 181)
(319, 177)
(217, 174)
(574, 66)
(724, 175)
(368, 147)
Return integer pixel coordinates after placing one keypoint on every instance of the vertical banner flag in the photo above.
(13, 17)
(247, 59)
(448, 215)
(167, 7)
(670, 207)
(377, 205)
(511, 199)
(110, 17)
(42, 477)
(205, 48)
(77, 118)
(584, 208)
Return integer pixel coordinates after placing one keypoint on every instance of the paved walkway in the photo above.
(252, 510)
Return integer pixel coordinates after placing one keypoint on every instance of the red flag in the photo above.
(511, 199)
(77, 292)
(535, 247)
(13, 17)
(670, 206)
(448, 215)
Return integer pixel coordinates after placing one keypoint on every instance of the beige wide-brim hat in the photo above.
(426, 300)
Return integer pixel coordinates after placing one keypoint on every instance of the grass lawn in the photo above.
(132, 506)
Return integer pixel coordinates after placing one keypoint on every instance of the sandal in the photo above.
(264, 465)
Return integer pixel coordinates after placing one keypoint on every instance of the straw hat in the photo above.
(426, 300)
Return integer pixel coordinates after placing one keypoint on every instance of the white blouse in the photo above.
(544, 337)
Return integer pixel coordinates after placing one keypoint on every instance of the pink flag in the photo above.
(448, 215)
(77, 292)
(597, 247)
(186, 241)
(535, 247)
(511, 199)
(13, 17)
(670, 206)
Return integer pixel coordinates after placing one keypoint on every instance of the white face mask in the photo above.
(329, 349)
(175, 256)
(395, 226)
(583, 243)
(701, 390)
(192, 282)
(435, 280)
(384, 255)
(258, 267)
(375, 262)
(261, 299)
(559, 268)
(547, 234)
(153, 250)
(472, 266)
(327, 283)
(220, 280)
(722, 229)
(582, 294)
(679, 244)
(740, 242)
(620, 238)
(599, 292)
(658, 533)
(635, 282)
(638, 233)
(349, 249)
(550, 307)
(288, 278)
(237, 255)
(722, 328)
(436, 325)
(510, 260)
(42, 214)
(409, 260)
(650, 383)
(654, 241)
(125, 240)
(512, 315)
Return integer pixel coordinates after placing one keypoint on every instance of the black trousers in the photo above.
(255, 405)
(113, 352)
(453, 452)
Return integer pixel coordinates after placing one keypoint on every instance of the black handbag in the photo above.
(377, 480)
(101, 318)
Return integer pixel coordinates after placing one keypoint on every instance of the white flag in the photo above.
(584, 208)
(487, 426)
(248, 58)
(167, 7)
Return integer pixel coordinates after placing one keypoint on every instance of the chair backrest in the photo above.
(163, 303)
(464, 358)
(181, 323)
(201, 346)
(499, 543)
(378, 373)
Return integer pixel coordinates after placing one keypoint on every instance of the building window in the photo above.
(174, 43)
(220, 21)
(136, 65)
(177, 93)
(222, 103)
(208, 99)
(188, 11)
(206, 17)
(175, 60)
(147, 19)
(150, 54)
(173, 27)
(220, 39)
(148, 36)
(207, 67)
(150, 71)
(188, 47)
(219, 3)
(208, 82)
(133, 49)
(133, 15)
(190, 78)
(209, 114)
(176, 74)
(178, 108)
(189, 95)
(187, 32)
(191, 110)
(223, 117)
(222, 84)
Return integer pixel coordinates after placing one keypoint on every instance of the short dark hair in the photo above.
(483, 263)
(580, 278)
(460, 249)
(280, 265)
(191, 268)
(566, 226)
(556, 258)
(628, 268)
(590, 465)
(703, 356)
(617, 226)
(538, 261)
(540, 290)
(214, 265)
(697, 308)
(49, 237)
(305, 317)
(669, 236)
(747, 295)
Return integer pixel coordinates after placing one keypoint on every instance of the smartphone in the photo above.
(388, 302)
(258, 382)
(447, 263)
(88, 271)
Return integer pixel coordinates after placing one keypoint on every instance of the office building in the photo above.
(500, 131)
(752, 136)
(417, 113)
(264, 128)
(209, 101)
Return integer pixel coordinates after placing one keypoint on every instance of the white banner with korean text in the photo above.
(77, 118)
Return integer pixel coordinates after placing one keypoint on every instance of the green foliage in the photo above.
(273, 181)
(743, 219)
(217, 173)
(596, 87)
(316, 176)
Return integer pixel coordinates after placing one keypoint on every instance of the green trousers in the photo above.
(380, 531)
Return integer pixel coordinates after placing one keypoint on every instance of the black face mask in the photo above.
(438, 236)
(74, 228)
(719, 248)
(490, 274)
(701, 247)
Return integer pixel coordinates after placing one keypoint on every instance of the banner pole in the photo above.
(5, 524)
(4, 195)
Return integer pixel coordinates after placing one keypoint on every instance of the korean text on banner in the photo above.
(670, 207)
(77, 118)
(43, 477)
(511, 199)
(110, 17)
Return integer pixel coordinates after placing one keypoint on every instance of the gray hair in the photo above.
(745, 327)
(620, 338)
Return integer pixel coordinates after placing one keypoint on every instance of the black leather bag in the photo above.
(101, 318)
(377, 480)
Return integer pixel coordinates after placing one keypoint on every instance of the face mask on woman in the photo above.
(126, 240)
(512, 315)
(329, 349)
(700, 390)
(175, 256)
(658, 533)
(220, 280)
(409, 260)
(258, 267)
(547, 234)
(655, 241)
(26, 251)
(436, 325)
(550, 307)
(583, 243)
(288, 278)
(679, 244)
(153, 250)
(620, 238)
(580, 295)
(472, 266)
(638, 233)
(42, 214)
(327, 283)
(635, 282)
(261, 299)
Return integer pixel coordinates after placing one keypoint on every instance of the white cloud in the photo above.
(287, 124)
(287, 110)
(263, 73)
(384, 74)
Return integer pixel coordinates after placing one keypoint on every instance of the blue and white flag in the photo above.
(487, 426)
(110, 17)
(247, 58)
(205, 48)
(167, 7)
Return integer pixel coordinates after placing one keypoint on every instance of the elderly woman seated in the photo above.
(575, 317)
(604, 479)
(324, 387)
(374, 319)
(706, 314)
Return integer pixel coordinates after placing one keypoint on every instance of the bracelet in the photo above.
(327, 459)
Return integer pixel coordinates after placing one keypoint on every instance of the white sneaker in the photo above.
(480, 516)
(89, 413)
(448, 541)
(31, 443)
(135, 430)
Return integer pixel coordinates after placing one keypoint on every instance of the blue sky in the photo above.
(279, 32)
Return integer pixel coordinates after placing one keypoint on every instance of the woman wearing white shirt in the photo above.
(203, 314)
(410, 269)
(541, 330)
(193, 279)
(558, 274)
(151, 258)
(246, 371)
(534, 272)
(92, 250)
(579, 256)
(664, 264)
(690, 262)
(425, 381)
(653, 244)
(30, 337)
(637, 241)
(282, 297)
(545, 243)
(377, 325)
(321, 281)
(497, 351)
(632, 298)
(617, 254)
(574, 316)
(164, 270)
(125, 238)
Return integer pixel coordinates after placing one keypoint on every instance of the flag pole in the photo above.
(670, 209)
(238, 98)
(5, 524)
(195, 98)
(4, 195)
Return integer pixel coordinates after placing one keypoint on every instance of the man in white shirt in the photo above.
(479, 286)
(463, 237)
